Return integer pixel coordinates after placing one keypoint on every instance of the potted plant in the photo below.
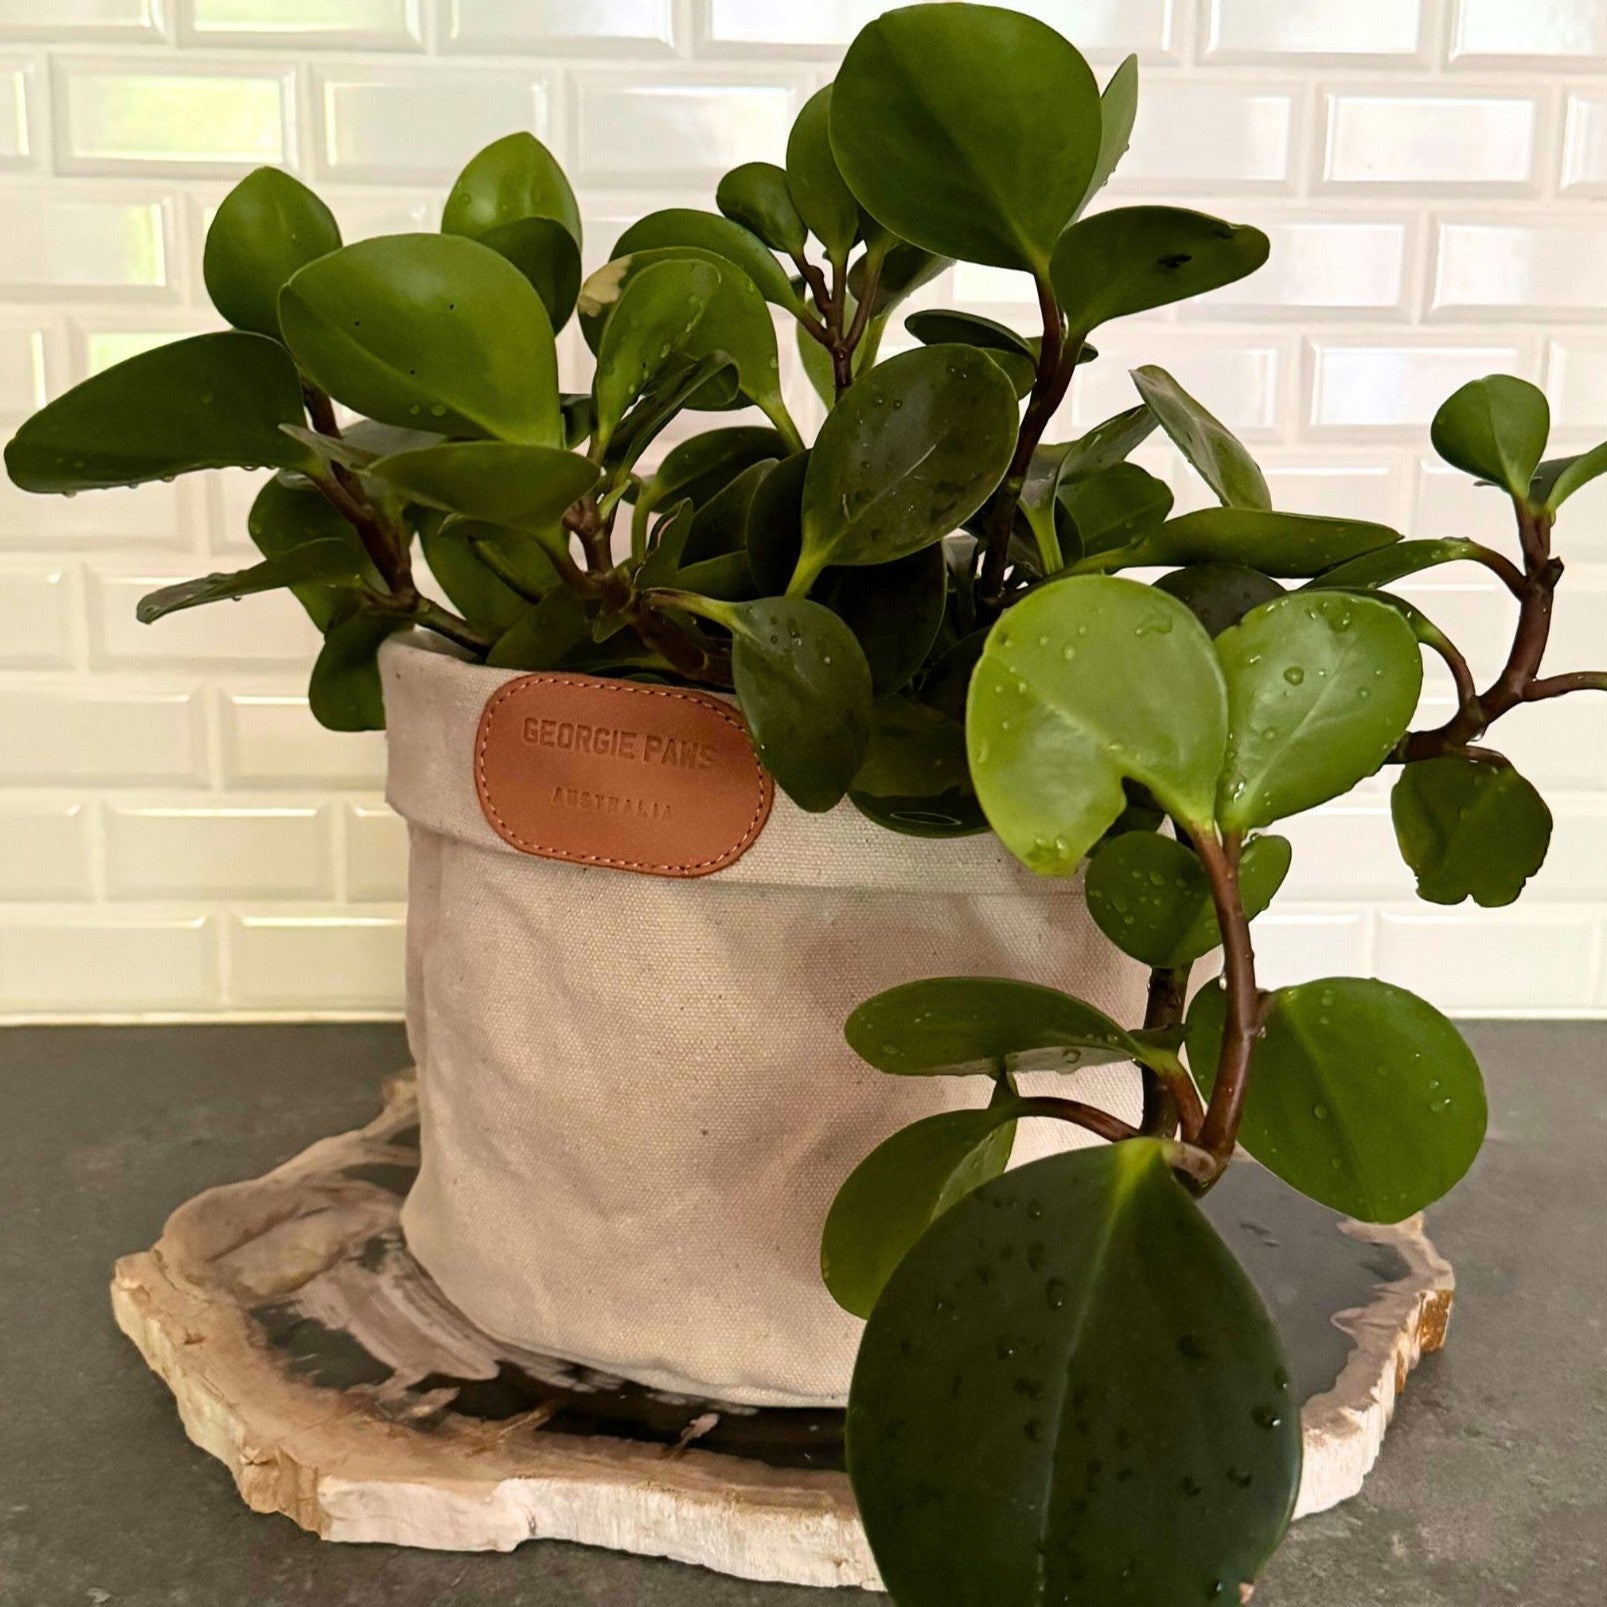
(995, 748)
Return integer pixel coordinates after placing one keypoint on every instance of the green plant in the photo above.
(1067, 1391)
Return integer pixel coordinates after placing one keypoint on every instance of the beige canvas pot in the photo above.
(636, 1099)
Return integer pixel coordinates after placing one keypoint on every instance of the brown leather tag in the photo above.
(596, 772)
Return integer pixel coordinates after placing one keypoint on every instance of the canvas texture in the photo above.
(636, 1100)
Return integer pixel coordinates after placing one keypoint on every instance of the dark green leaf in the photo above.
(720, 525)
(1110, 442)
(1012, 352)
(704, 464)
(804, 689)
(900, 1189)
(1321, 686)
(522, 487)
(948, 683)
(284, 519)
(1387, 564)
(905, 269)
(208, 402)
(433, 331)
(1274, 543)
(1219, 595)
(1362, 1095)
(775, 530)
(1118, 110)
(1494, 428)
(1558, 478)
(823, 200)
(317, 562)
(1050, 1407)
(726, 577)
(1204, 440)
(1469, 828)
(469, 559)
(910, 453)
(344, 692)
(755, 195)
(545, 635)
(670, 536)
(1150, 897)
(267, 227)
(895, 611)
(1136, 257)
(1087, 682)
(963, 1025)
(545, 252)
(915, 779)
(678, 228)
(1114, 507)
(970, 130)
(513, 178)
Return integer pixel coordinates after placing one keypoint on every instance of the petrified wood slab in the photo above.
(317, 1360)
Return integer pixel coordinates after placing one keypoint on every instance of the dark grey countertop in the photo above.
(1492, 1488)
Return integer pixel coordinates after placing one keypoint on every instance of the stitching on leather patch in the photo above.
(619, 694)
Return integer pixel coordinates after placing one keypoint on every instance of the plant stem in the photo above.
(1556, 685)
(1056, 361)
(1091, 1117)
(1170, 1099)
(445, 623)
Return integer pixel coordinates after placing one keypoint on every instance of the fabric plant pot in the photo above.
(636, 1099)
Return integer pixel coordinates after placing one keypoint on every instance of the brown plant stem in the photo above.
(1557, 685)
(1166, 1098)
(1091, 1117)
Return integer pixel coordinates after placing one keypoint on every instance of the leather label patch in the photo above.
(645, 778)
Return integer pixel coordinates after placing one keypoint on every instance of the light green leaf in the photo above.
(1149, 896)
(1469, 828)
(1361, 1096)
(1204, 440)
(315, 562)
(900, 1189)
(345, 692)
(1558, 478)
(1122, 1429)
(915, 779)
(1118, 110)
(683, 228)
(522, 487)
(1495, 429)
(1321, 686)
(544, 636)
(1219, 595)
(1257, 538)
(208, 402)
(512, 179)
(430, 331)
(908, 454)
(823, 200)
(1136, 257)
(267, 227)
(1109, 442)
(970, 130)
(982, 1025)
(1085, 683)
(1387, 564)
(756, 196)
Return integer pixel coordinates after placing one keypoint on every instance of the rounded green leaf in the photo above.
(1204, 440)
(1387, 564)
(1469, 828)
(972, 131)
(756, 196)
(1070, 1392)
(1113, 508)
(469, 560)
(823, 199)
(267, 227)
(908, 454)
(434, 331)
(1149, 896)
(682, 228)
(1219, 595)
(314, 562)
(1085, 683)
(895, 610)
(961, 1025)
(208, 402)
(1275, 543)
(1012, 352)
(1136, 257)
(1494, 428)
(804, 689)
(544, 251)
(915, 779)
(345, 693)
(513, 178)
(1362, 1095)
(900, 1189)
(523, 487)
(705, 464)
(1321, 686)
(285, 518)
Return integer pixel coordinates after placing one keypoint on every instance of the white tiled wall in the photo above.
(179, 837)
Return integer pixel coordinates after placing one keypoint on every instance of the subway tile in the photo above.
(71, 21)
(218, 851)
(58, 243)
(25, 354)
(420, 124)
(48, 851)
(1371, 387)
(1526, 270)
(1298, 945)
(1193, 135)
(1319, 265)
(1488, 140)
(148, 517)
(1576, 384)
(376, 855)
(1553, 29)
(1520, 958)
(40, 607)
(111, 117)
(1578, 640)
(270, 739)
(19, 121)
(268, 628)
(642, 130)
(305, 24)
(94, 962)
(607, 27)
(1450, 504)
(1346, 851)
(1584, 146)
(1339, 490)
(316, 962)
(1359, 30)
(100, 732)
(102, 347)
(1096, 27)
(1559, 743)
(1575, 867)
